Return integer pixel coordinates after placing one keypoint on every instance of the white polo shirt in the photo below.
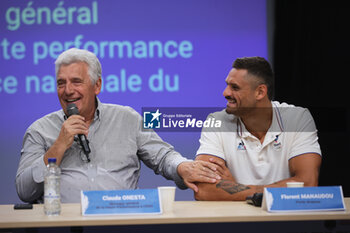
(292, 133)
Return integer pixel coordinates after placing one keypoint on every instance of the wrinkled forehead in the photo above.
(78, 66)
(71, 70)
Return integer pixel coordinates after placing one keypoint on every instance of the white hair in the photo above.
(74, 55)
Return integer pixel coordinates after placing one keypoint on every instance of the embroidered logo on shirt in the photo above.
(241, 146)
(276, 144)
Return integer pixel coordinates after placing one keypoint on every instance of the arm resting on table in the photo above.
(303, 168)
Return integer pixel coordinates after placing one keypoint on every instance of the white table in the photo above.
(184, 212)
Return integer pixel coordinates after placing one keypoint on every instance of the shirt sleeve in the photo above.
(30, 173)
(305, 137)
(159, 155)
(211, 143)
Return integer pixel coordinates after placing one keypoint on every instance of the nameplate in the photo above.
(109, 202)
(325, 198)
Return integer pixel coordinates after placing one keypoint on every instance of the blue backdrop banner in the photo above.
(174, 53)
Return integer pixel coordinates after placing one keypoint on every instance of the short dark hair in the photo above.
(259, 67)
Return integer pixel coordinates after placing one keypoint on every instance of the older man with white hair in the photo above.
(117, 141)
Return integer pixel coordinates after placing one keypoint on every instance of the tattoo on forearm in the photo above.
(231, 187)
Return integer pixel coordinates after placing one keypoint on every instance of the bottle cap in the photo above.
(52, 160)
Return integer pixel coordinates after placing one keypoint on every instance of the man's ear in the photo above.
(261, 91)
(98, 86)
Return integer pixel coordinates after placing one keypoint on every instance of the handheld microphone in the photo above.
(73, 110)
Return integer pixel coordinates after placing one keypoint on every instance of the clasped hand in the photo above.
(200, 171)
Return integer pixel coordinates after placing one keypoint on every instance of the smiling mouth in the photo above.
(72, 100)
(231, 102)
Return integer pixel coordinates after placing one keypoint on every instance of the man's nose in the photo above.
(69, 89)
(226, 92)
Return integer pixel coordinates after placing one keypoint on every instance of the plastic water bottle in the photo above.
(52, 197)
